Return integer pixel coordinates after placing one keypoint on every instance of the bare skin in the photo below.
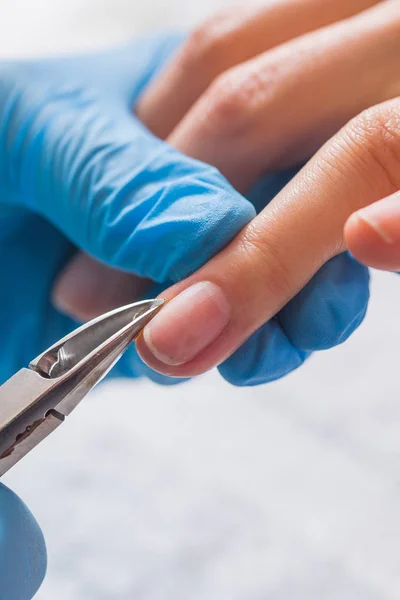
(373, 234)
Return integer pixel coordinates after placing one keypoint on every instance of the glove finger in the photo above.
(333, 304)
(122, 195)
(266, 356)
(87, 288)
(373, 234)
(22, 549)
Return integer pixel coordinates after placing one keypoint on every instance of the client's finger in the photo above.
(280, 107)
(239, 36)
(373, 234)
(227, 39)
(214, 311)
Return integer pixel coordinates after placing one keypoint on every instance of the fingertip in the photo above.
(360, 234)
(370, 245)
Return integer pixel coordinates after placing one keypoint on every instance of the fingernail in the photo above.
(188, 324)
(382, 216)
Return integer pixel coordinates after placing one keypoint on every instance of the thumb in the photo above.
(373, 234)
(22, 549)
(83, 161)
(215, 310)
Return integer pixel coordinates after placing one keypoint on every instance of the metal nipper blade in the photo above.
(36, 400)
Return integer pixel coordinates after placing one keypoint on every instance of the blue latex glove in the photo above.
(22, 549)
(77, 169)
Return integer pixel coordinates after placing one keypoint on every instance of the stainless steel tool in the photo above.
(36, 400)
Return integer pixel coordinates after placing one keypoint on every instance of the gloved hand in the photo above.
(22, 549)
(77, 169)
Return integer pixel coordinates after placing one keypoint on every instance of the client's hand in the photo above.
(218, 308)
(248, 96)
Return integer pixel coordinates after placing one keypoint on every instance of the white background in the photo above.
(206, 492)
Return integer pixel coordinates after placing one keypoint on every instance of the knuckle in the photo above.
(230, 103)
(239, 99)
(208, 44)
(265, 262)
(226, 101)
(375, 137)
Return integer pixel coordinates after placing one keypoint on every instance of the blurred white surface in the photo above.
(206, 492)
